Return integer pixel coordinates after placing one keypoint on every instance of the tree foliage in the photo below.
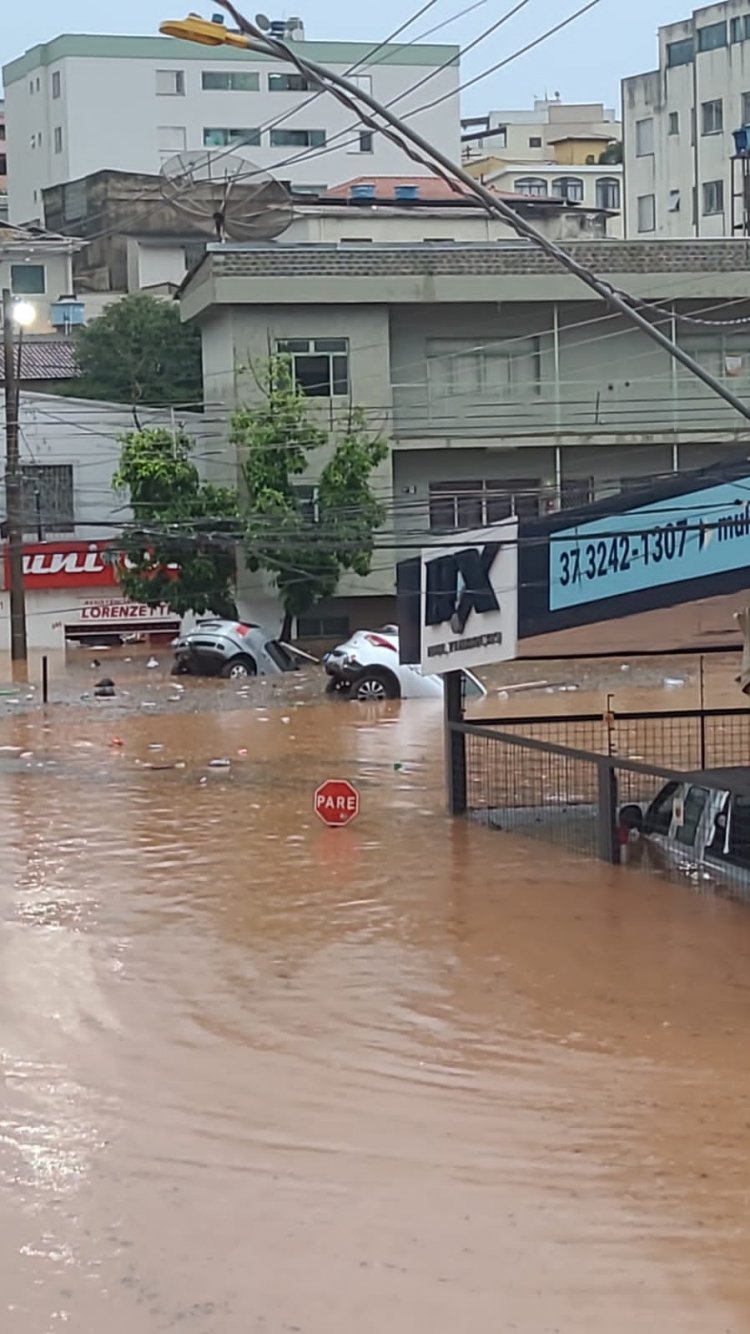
(175, 553)
(306, 546)
(139, 352)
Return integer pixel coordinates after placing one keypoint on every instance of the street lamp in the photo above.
(208, 32)
(17, 315)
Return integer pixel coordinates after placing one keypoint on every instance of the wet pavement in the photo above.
(410, 1074)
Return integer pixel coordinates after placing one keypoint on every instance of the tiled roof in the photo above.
(44, 357)
(430, 187)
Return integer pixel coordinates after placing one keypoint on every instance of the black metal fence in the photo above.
(565, 779)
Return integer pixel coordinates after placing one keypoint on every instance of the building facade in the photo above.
(82, 104)
(538, 135)
(37, 266)
(500, 384)
(593, 188)
(678, 123)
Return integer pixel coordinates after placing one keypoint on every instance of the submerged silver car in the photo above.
(231, 649)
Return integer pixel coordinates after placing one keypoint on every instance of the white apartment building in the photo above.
(678, 124)
(535, 135)
(80, 104)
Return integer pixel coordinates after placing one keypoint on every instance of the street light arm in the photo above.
(442, 165)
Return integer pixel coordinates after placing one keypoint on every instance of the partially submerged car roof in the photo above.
(734, 777)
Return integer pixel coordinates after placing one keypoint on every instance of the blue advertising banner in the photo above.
(684, 537)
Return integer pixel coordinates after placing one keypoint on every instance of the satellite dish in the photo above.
(227, 194)
(262, 22)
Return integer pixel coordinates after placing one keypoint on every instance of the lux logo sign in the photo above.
(458, 584)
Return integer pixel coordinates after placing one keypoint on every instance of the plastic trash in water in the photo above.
(152, 662)
(672, 682)
(625, 667)
(156, 745)
(220, 764)
(104, 689)
(116, 742)
(148, 704)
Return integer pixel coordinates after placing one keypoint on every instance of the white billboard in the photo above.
(469, 599)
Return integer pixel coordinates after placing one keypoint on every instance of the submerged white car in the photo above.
(367, 667)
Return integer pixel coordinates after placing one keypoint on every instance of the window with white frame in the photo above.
(289, 83)
(28, 279)
(459, 368)
(568, 187)
(646, 213)
(171, 138)
(363, 81)
(298, 138)
(320, 365)
(170, 83)
(217, 136)
(608, 193)
(713, 197)
(47, 497)
(712, 37)
(712, 116)
(531, 185)
(739, 28)
(475, 503)
(229, 81)
(644, 137)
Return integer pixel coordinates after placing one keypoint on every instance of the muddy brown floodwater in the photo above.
(410, 1075)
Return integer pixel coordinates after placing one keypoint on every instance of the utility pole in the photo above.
(13, 488)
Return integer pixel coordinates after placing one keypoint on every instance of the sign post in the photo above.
(336, 802)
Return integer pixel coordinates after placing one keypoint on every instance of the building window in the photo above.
(608, 192)
(363, 81)
(575, 491)
(712, 37)
(31, 87)
(462, 369)
(320, 365)
(218, 137)
(47, 497)
(674, 122)
(298, 138)
(4, 166)
(323, 627)
(366, 141)
(306, 497)
(535, 141)
(531, 185)
(712, 116)
(740, 28)
(568, 187)
(171, 138)
(644, 137)
(746, 108)
(56, 84)
(713, 197)
(473, 504)
(229, 81)
(289, 83)
(674, 201)
(2, 131)
(170, 83)
(28, 279)
(646, 213)
(58, 139)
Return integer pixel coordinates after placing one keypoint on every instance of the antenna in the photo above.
(227, 194)
(262, 22)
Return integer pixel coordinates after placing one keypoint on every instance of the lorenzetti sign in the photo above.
(469, 599)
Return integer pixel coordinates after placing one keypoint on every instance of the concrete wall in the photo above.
(109, 113)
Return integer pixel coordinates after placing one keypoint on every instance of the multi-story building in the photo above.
(678, 128)
(3, 168)
(554, 131)
(597, 188)
(38, 267)
(81, 104)
(500, 384)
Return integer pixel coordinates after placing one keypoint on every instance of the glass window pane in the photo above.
(712, 36)
(29, 279)
(659, 814)
(694, 803)
(330, 345)
(739, 829)
(294, 345)
(340, 375)
(313, 375)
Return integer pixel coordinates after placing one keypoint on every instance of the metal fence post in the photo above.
(609, 847)
(455, 744)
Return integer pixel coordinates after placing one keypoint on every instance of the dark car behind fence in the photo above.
(565, 779)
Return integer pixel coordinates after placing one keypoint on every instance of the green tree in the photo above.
(175, 552)
(139, 352)
(611, 155)
(306, 546)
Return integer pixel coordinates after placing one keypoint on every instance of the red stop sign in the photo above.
(336, 802)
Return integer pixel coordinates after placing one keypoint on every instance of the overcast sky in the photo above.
(583, 63)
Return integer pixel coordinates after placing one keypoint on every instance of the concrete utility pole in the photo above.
(13, 488)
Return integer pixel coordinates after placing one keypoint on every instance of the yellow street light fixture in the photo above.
(207, 32)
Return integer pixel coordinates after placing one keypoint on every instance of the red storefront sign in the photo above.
(66, 565)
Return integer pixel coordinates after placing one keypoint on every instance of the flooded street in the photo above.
(410, 1074)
